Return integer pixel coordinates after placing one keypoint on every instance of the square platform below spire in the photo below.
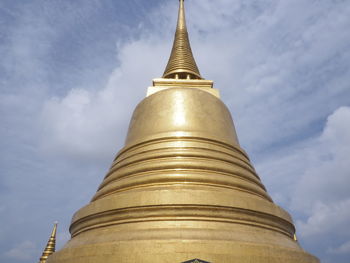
(160, 84)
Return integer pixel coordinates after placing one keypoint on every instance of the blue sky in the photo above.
(71, 73)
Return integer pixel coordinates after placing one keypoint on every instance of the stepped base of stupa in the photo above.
(176, 246)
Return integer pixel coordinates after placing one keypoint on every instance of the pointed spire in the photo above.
(181, 62)
(51, 245)
(295, 238)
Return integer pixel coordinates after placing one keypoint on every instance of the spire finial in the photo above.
(181, 62)
(51, 245)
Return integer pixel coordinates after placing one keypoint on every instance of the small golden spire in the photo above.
(295, 238)
(181, 63)
(51, 245)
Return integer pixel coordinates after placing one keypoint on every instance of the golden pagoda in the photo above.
(182, 189)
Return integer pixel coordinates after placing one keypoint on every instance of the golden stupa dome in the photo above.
(181, 112)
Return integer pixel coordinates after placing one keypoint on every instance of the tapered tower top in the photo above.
(51, 245)
(181, 64)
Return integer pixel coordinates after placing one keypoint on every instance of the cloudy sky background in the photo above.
(71, 73)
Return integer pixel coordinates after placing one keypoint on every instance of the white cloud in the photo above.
(312, 180)
(326, 219)
(91, 123)
(24, 251)
(328, 173)
(342, 249)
